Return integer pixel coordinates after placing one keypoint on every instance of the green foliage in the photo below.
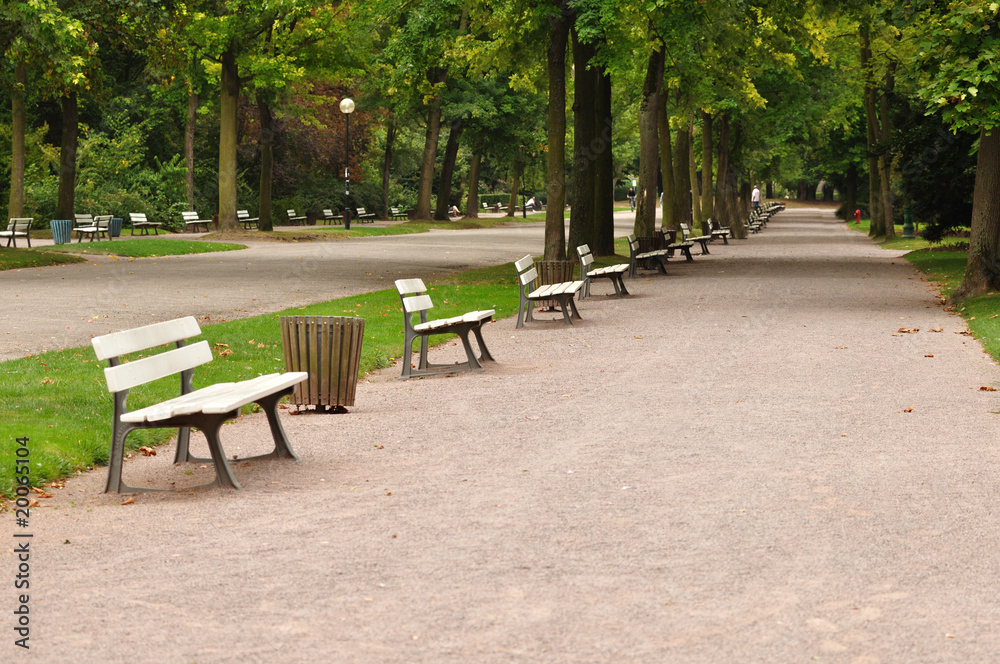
(145, 247)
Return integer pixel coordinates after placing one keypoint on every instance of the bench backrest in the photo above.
(685, 230)
(189, 216)
(327, 214)
(102, 220)
(413, 295)
(83, 220)
(19, 224)
(242, 214)
(125, 376)
(291, 213)
(362, 211)
(137, 217)
(633, 244)
(394, 210)
(586, 258)
(526, 272)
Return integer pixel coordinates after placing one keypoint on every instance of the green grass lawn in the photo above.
(145, 247)
(11, 259)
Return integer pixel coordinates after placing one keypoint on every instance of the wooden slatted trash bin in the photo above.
(328, 348)
(552, 272)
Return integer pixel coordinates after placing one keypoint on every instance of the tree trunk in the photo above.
(707, 203)
(850, 191)
(604, 171)
(981, 270)
(448, 171)
(726, 204)
(189, 127)
(472, 207)
(390, 139)
(769, 190)
(667, 184)
(874, 174)
(885, 158)
(555, 177)
(229, 96)
(581, 215)
(426, 184)
(699, 220)
(67, 157)
(266, 141)
(515, 186)
(15, 206)
(645, 208)
(682, 177)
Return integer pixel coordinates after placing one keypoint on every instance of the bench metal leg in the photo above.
(484, 352)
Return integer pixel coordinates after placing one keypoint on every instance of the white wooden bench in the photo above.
(415, 300)
(100, 225)
(294, 218)
(205, 409)
(637, 259)
(139, 220)
(562, 293)
(18, 227)
(398, 214)
(330, 218)
(703, 240)
(614, 273)
(364, 216)
(192, 221)
(249, 223)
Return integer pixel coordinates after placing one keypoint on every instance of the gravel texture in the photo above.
(720, 468)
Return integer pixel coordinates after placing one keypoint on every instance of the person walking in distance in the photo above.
(755, 197)
(631, 198)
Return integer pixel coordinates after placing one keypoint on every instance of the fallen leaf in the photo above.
(929, 355)
(47, 381)
(32, 503)
(129, 501)
(147, 451)
(907, 410)
(225, 353)
(987, 388)
(939, 329)
(906, 331)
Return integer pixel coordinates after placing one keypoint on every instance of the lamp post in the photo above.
(347, 107)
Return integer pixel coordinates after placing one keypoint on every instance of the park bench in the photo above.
(192, 221)
(363, 215)
(205, 409)
(330, 218)
(669, 236)
(294, 218)
(18, 227)
(612, 272)
(415, 300)
(100, 225)
(249, 223)
(561, 293)
(719, 231)
(653, 257)
(703, 240)
(396, 214)
(139, 220)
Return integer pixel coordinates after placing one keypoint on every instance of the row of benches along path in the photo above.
(743, 461)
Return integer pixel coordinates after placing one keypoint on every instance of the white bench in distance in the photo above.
(192, 221)
(100, 225)
(294, 218)
(562, 293)
(330, 218)
(18, 227)
(205, 409)
(612, 272)
(249, 223)
(415, 300)
(139, 220)
(703, 240)
(719, 231)
(657, 257)
(365, 216)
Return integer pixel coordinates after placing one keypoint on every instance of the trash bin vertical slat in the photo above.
(326, 337)
(329, 349)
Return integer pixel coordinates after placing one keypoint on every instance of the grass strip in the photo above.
(12, 259)
(145, 247)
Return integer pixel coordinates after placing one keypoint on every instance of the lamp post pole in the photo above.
(347, 107)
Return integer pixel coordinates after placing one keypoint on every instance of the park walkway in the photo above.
(724, 467)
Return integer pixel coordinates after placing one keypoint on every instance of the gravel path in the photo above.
(720, 468)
